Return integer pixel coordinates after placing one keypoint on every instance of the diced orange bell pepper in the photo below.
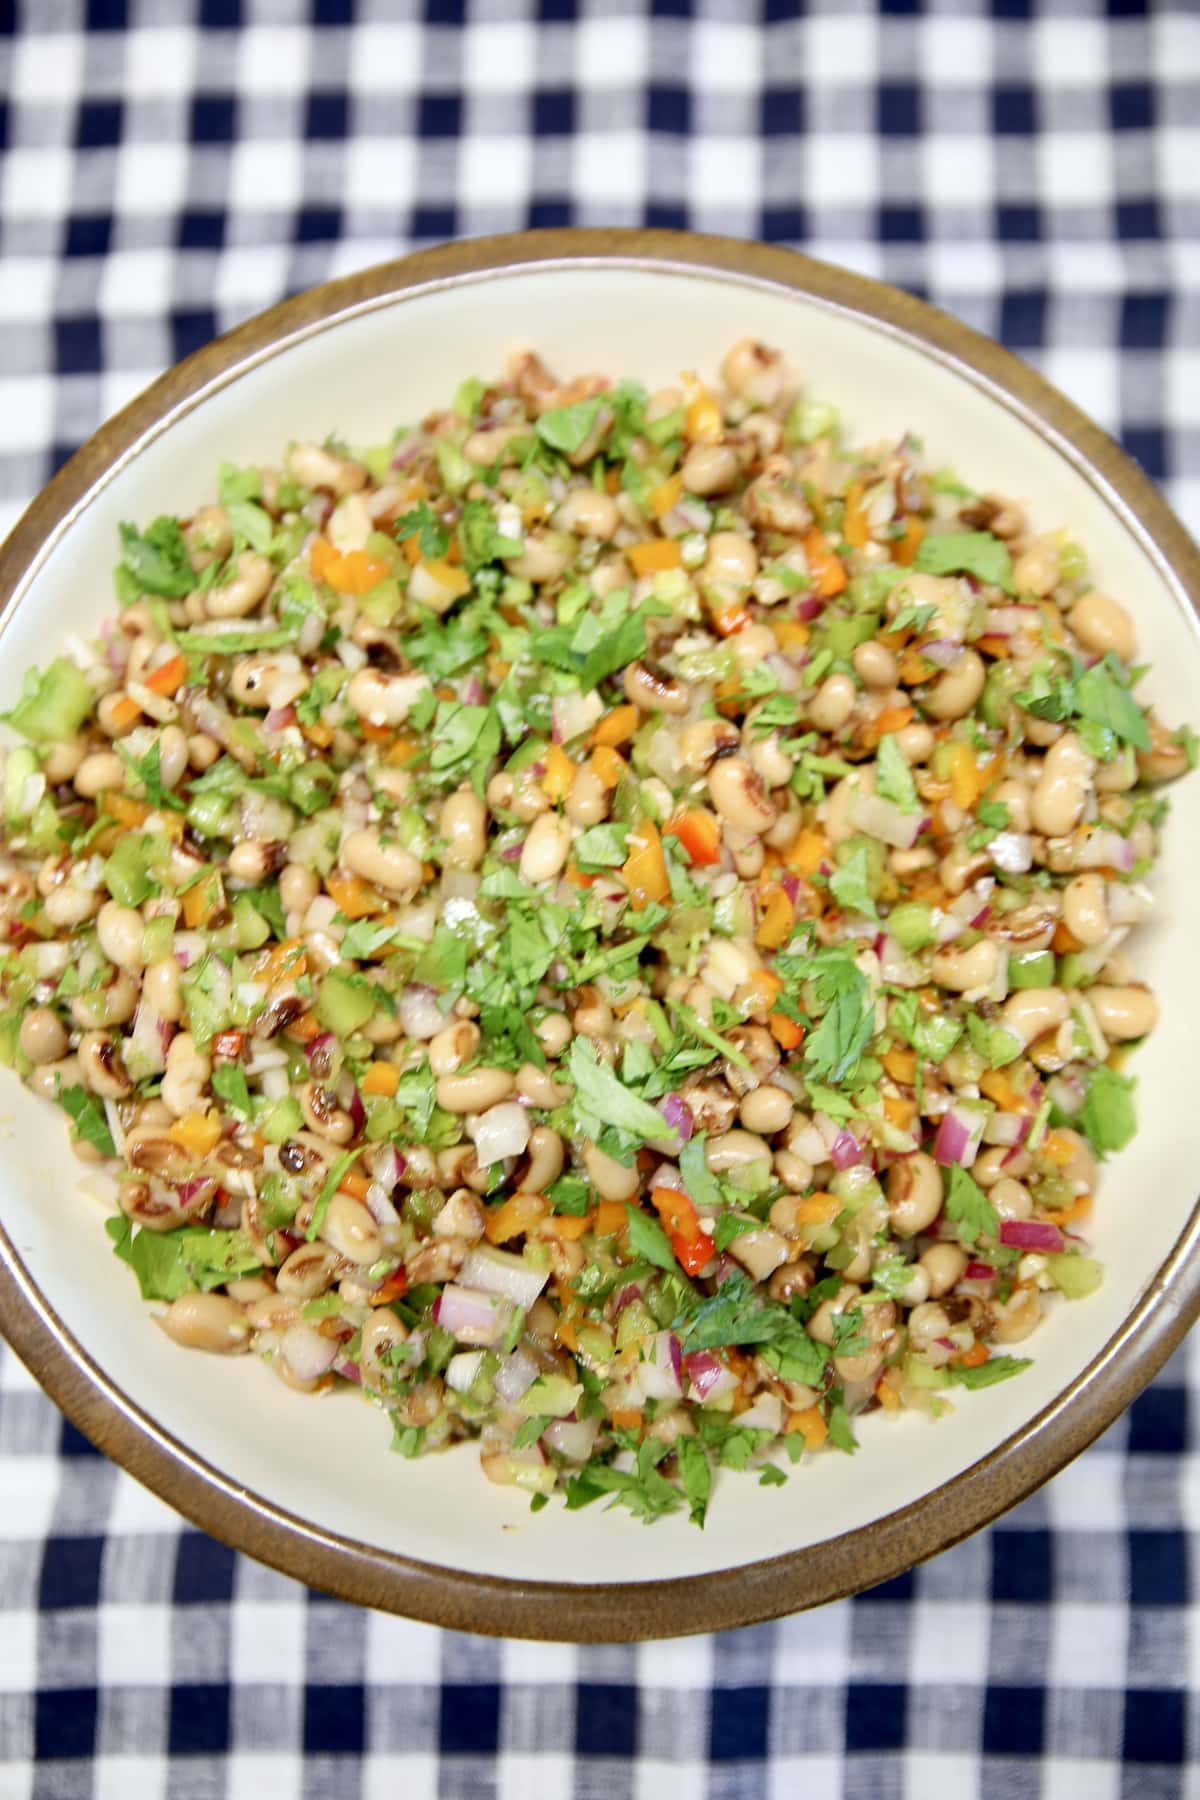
(887, 720)
(885, 1392)
(452, 580)
(321, 555)
(790, 634)
(123, 808)
(901, 1065)
(519, 1213)
(856, 527)
(1064, 941)
(997, 1086)
(355, 1183)
(817, 1209)
(828, 575)
(914, 669)
(610, 1218)
(730, 619)
(964, 777)
(568, 1227)
(558, 775)
(972, 1358)
(394, 1288)
(665, 495)
(675, 1209)
(809, 851)
(904, 550)
(287, 959)
(203, 901)
(811, 1425)
(1058, 1149)
(355, 897)
(702, 421)
(608, 765)
(645, 869)
(1079, 1208)
(169, 676)
(616, 727)
(653, 556)
(787, 1033)
(899, 1111)
(347, 572)
(627, 1418)
(304, 1029)
(776, 917)
(382, 1078)
(125, 712)
(197, 1132)
(699, 833)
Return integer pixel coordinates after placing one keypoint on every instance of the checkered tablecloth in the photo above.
(170, 166)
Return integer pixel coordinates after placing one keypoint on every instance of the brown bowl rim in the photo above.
(607, 1611)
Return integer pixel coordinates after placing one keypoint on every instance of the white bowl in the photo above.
(311, 1486)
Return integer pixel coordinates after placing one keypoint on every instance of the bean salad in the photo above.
(600, 922)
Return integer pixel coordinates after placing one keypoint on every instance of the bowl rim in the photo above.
(606, 1611)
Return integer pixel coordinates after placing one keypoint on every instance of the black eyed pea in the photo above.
(611, 1180)
(43, 1037)
(119, 931)
(476, 1090)
(1011, 1198)
(1061, 792)
(760, 1252)
(955, 691)
(747, 852)
(700, 742)
(162, 989)
(1085, 908)
(1124, 1012)
(111, 1005)
(545, 850)
(739, 797)
(308, 1272)
(384, 699)
(943, 1265)
(875, 665)
(967, 971)
(203, 751)
(545, 1164)
(387, 866)
(315, 467)
(878, 1327)
(187, 1073)
(731, 557)
(735, 1150)
(250, 585)
(1165, 760)
(112, 717)
(211, 1322)
(208, 535)
(554, 1033)
(709, 469)
(960, 867)
(652, 690)
(915, 742)
(102, 770)
(463, 824)
(832, 704)
(539, 1087)
(47, 1080)
(298, 887)
(588, 513)
(382, 1335)
(754, 371)
(1036, 571)
(71, 904)
(588, 801)
(251, 862)
(1014, 1318)
(253, 679)
(101, 1068)
(546, 557)
(1015, 796)
(172, 756)
(1033, 1011)
(795, 1173)
(323, 1115)
(916, 1287)
(998, 1162)
(752, 644)
(914, 1194)
(821, 1326)
(926, 1324)
(766, 1110)
(453, 1046)
(1102, 624)
(486, 447)
(349, 1229)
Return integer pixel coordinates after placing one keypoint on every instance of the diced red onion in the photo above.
(678, 1115)
(471, 1316)
(766, 1414)
(194, 1192)
(516, 1375)
(943, 652)
(379, 1205)
(502, 1131)
(388, 1166)
(809, 606)
(1009, 1129)
(884, 820)
(1031, 1234)
(462, 1369)
(513, 853)
(349, 1371)
(356, 1109)
(960, 1134)
(659, 1376)
(629, 1293)
(280, 717)
(978, 1271)
(707, 1374)
(320, 1046)
(499, 1272)
(1105, 849)
(420, 1016)
(307, 1353)
(572, 1439)
(969, 902)
(846, 1151)
(1067, 1092)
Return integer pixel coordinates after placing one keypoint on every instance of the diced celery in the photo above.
(382, 603)
(11, 1054)
(439, 1347)
(1002, 683)
(42, 832)
(312, 786)
(636, 1321)
(282, 1120)
(1073, 972)
(211, 815)
(344, 1003)
(376, 459)
(127, 870)
(456, 472)
(315, 845)
(922, 1375)
(552, 1394)
(54, 704)
(469, 393)
(1072, 560)
(1074, 1276)
(1031, 969)
(20, 771)
(912, 925)
(251, 930)
(158, 939)
(843, 636)
(810, 420)
(207, 996)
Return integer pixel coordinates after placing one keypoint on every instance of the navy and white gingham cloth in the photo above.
(170, 166)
